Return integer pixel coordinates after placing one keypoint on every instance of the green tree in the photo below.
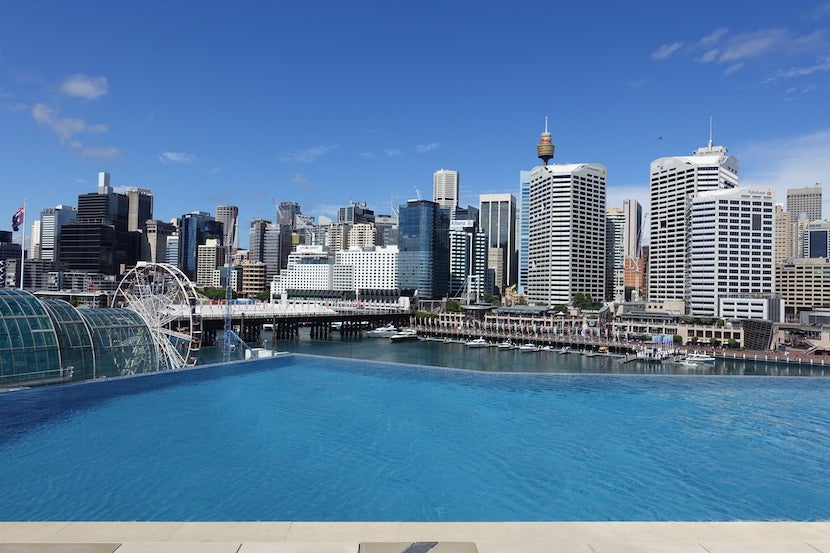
(677, 339)
(453, 306)
(585, 301)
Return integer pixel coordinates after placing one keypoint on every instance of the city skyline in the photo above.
(327, 104)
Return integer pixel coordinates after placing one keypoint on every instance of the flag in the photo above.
(17, 218)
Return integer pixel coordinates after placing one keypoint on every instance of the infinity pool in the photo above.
(323, 439)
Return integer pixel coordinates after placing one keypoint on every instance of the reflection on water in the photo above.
(456, 355)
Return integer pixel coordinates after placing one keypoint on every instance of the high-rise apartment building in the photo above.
(805, 200)
(468, 261)
(363, 235)
(729, 248)
(210, 256)
(228, 215)
(783, 234)
(614, 253)
(423, 243)
(566, 233)
(497, 216)
(52, 220)
(445, 187)
(673, 181)
(524, 227)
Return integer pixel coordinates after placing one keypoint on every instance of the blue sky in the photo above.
(209, 103)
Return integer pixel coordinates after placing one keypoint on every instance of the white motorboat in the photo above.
(404, 335)
(507, 344)
(528, 348)
(699, 357)
(478, 343)
(383, 332)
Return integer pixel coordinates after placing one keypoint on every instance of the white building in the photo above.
(566, 233)
(209, 256)
(369, 268)
(309, 268)
(468, 261)
(673, 181)
(52, 219)
(445, 183)
(805, 201)
(730, 249)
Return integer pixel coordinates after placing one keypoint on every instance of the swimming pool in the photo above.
(322, 439)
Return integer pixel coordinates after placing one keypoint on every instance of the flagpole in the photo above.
(23, 246)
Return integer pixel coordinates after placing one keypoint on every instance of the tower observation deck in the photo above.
(544, 149)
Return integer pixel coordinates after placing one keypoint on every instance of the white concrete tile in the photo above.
(553, 546)
(572, 532)
(179, 547)
(758, 547)
(655, 546)
(452, 531)
(299, 547)
(116, 531)
(231, 531)
(15, 532)
(342, 531)
(821, 546)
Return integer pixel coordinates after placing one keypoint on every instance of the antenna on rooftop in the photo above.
(710, 132)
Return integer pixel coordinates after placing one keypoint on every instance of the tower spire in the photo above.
(710, 132)
(544, 149)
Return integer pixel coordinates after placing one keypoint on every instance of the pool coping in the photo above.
(489, 537)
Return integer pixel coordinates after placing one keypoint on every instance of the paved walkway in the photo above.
(346, 537)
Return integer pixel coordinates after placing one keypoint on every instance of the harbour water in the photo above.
(457, 355)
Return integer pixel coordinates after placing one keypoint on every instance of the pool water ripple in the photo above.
(309, 438)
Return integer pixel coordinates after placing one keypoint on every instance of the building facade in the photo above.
(468, 261)
(497, 216)
(805, 201)
(566, 233)
(423, 243)
(673, 181)
(445, 187)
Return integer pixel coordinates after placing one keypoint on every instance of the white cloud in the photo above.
(173, 158)
(82, 86)
(712, 38)
(391, 152)
(428, 147)
(308, 155)
(732, 68)
(709, 56)
(822, 65)
(666, 50)
(750, 45)
(785, 163)
(368, 155)
(63, 127)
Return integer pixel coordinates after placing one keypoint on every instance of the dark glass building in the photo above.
(194, 229)
(423, 244)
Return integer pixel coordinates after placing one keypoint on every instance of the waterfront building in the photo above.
(615, 231)
(423, 242)
(729, 248)
(366, 268)
(468, 261)
(805, 201)
(195, 229)
(445, 188)
(524, 228)
(54, 342)
(228, 215)
(497, 216)
(803, 284)
(673, 181)
(52, 221)
(566, 233)
(309, 268)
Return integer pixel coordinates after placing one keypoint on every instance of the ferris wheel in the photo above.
(166, 299)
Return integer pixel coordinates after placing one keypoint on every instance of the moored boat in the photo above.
(478, 343)
(404, 335)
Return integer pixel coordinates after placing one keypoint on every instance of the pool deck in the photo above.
(346, 537)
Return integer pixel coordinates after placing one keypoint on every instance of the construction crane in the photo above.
(417, 193)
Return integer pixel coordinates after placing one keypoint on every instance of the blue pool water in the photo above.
(314, 438)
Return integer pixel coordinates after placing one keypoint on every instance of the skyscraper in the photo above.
(445, 186)
(805, 200)
(524, 226)
(423, 243)
(139, 208)
(730, 252)
(468, 260)
(497, 213)
(228, 215)
(673, 181)
(615, 233)
(566, 233)
(52, 221)
(194, 229)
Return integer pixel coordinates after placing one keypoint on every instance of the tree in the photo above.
(584, 301)
(453, 306)
(677, 339)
